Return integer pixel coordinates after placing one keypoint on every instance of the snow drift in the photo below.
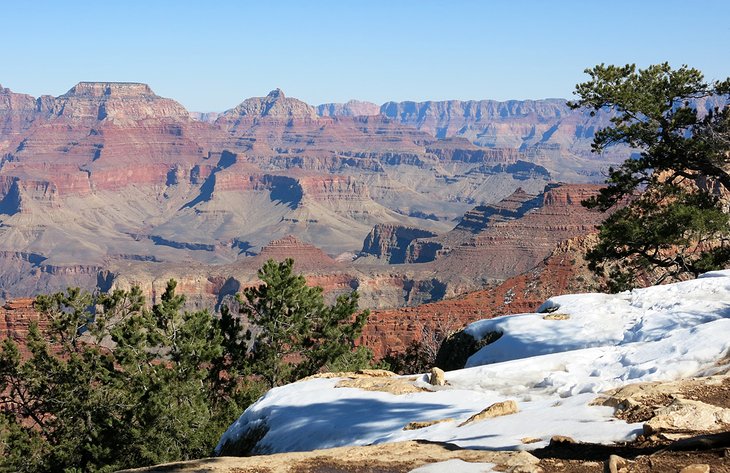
(552, 363)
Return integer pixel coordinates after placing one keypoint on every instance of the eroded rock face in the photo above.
(306, 255)
(112, 178)
(564, 271)
(686, 415)
(507, 248)
(17, 113)
(514, 123)
(116, 101)
(274, 105)
(16, 316)
(390, 242)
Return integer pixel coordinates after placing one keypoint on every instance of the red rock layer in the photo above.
(16, 316)
(564, 271)
(507, 248)
(307, 257)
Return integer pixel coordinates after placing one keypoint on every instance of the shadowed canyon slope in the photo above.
(110, 178)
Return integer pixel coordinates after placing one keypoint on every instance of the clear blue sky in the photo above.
(211, 55)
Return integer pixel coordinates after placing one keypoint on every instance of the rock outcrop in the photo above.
(391, 457)
(564, 271)
(307, 257)
(275, 105)
(390, 242)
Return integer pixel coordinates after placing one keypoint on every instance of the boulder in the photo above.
(495, 410)
(438, 377)
(687, 415)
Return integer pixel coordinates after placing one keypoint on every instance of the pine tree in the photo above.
(671, 222)
(112, 384)
(296, 334)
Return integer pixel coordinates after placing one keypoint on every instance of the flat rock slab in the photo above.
(399, 457)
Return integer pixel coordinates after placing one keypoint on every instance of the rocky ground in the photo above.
(687, 425)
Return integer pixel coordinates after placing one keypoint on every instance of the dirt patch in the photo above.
(644, 455)
(715, 394)
(639, 402)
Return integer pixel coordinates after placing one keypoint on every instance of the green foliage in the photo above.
(296, 333)
(111, 384)
(158, 396)
(415, 359)
(673, 223)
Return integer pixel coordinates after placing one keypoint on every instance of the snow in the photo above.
(552, 364)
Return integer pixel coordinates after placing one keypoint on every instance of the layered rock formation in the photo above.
(548, 131)
(390, 242)
(110, 176)
(111, 172)
(506, 248)
(513, 124)
(16, 318)
(352, 108)
(275, 105)
(564, 271)
(17, 112)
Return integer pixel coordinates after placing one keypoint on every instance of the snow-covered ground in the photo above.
(551, 363)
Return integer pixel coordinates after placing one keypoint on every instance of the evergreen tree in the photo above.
(112, 384)
(673, 223)
(296, 334)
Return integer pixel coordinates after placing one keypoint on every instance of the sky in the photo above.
(211, 55)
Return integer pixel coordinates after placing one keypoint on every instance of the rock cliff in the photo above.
(275, 105)
(352, 108)
(16, 316)
(110, 174)
(563, 271)
(390, 242)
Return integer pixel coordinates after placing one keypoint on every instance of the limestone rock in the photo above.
(397, 456)
(359, 374)
(696, 468)
(617, 464)
(352, 108)
(495, 410)
(395, 386)
(424, 424)
(687, 415)
(438, 377)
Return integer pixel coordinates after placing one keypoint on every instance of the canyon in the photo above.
(111, 184)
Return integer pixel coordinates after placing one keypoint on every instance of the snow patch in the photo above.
(552, 367)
